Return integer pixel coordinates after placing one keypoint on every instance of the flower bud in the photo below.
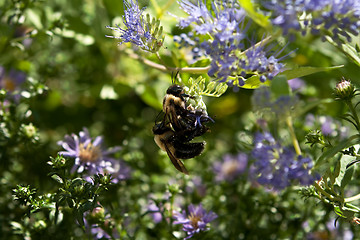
(29, 130)
(344, 90)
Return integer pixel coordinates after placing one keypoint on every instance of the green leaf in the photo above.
(336, 149)
(222, 89)
(305, 107)
(57, 178)
(34, 18)
(336, 172)
(346, 48)
(347, 177)
(279, 86)
(304, 71)
(344, 213)
(344, 174)
(254, 82)
(255, 16)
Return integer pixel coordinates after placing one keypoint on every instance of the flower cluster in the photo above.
(91, 157)
(230, 61)
(277, 166)
(231, 167)
(326, 17)
(195, 221)
(143, 33)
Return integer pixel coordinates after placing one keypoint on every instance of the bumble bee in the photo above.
(180, 125)
(174, 105)
(177, 144)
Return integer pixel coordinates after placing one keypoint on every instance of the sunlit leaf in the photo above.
(304, 71)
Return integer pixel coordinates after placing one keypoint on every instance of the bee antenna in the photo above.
(173, 78)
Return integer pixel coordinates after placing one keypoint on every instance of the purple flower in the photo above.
(258, 60)
(195, 221)
(137, 30)
(230, 167)
(230, 61)
(296, 84)
(91, 157)
(326, 17)
(155, 212)
(11, 81)
(279, 167)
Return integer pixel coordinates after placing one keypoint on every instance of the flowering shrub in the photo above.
(263, 111)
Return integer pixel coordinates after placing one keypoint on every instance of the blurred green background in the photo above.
(79, 78)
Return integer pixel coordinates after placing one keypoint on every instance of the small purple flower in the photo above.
(155, 212)
(195, 221)
(91, 157)
(230, 61)
(137, 30)
(296, 84)
(11, 81)
(327, 126)
(279, 167)
(230, 167)
(326, 17)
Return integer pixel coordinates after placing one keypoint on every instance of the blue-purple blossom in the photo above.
(230, 167)
(226, 24)
(325, 17)
(137, 30)
(91, 157)
(195, 220)
(257, 60)
(279, 167)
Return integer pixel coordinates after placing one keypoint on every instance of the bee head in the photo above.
(175, 90)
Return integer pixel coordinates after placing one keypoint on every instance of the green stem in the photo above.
(293, 136)
(329, 196)
(353, 111)
(165, 68)
(353, 198)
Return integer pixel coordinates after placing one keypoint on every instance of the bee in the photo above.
(174, 105)
(180, 125)
(177, 144)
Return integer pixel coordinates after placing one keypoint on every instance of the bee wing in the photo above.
(173, 117)
(175, 161)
